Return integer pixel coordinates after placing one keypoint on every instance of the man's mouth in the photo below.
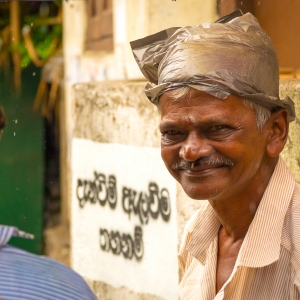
(202, 164)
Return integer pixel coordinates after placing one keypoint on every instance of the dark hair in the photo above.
(2, 118)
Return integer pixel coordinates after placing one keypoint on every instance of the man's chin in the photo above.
(198, 193)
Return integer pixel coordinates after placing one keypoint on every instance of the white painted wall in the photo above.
(156, 273)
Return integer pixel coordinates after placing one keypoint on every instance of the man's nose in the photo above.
(195, 147)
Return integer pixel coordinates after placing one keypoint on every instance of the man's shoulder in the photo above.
(291, 232)
(290, 238)
(39, 274)
(293, 213)
(296, 195)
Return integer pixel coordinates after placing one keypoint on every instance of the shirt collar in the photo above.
(207, 230)
(199, 233)
(261, 245)
(6, 232)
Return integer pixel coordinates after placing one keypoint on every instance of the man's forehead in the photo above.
(174, 98)
(202, 107)
(194, 97)
(189, 93)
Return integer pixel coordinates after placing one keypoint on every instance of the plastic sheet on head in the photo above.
(234, 56)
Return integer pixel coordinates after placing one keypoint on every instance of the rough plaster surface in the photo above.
(291, 152)
(94, 112)
(57, 243)
(119, 112)
(107, 292)
(122, 108)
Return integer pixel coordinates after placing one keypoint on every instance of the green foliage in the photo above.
(25, 58)
(42, 36)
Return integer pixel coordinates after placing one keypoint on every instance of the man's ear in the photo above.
(277, 127)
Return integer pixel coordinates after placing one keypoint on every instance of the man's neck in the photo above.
(236, 212)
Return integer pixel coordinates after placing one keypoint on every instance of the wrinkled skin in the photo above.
(224, 131)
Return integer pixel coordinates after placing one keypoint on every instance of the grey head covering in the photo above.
(234, 55)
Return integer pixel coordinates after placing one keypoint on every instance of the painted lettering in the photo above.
(147, 205)
(125, 244)
(99, 190)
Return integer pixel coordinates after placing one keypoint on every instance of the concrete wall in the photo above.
(116, 132)
(291, 152)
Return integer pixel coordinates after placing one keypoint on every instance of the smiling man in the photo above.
(223, 127)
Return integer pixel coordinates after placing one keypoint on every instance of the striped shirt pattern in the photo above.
(25, 276)
(268, 263)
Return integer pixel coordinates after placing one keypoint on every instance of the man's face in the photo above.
(211, 146)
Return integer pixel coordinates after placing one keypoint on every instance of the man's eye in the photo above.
(218, 128)
(170, 136)
(171, 133)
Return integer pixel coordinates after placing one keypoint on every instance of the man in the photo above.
(25, 276)
(223, 127)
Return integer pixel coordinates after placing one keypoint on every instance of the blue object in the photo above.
(26, 276)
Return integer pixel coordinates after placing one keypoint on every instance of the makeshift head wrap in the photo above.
(234, 55)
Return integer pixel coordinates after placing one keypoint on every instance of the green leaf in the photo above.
(25, 61)
(18, 47)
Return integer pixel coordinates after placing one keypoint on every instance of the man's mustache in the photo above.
(203, 161)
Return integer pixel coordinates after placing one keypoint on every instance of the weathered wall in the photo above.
(94, 112)
(122, 108)
(128, 113)
(291, 152)
(117, 115)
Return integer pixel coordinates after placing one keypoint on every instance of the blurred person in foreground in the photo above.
(223, 127)
(26, 276)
